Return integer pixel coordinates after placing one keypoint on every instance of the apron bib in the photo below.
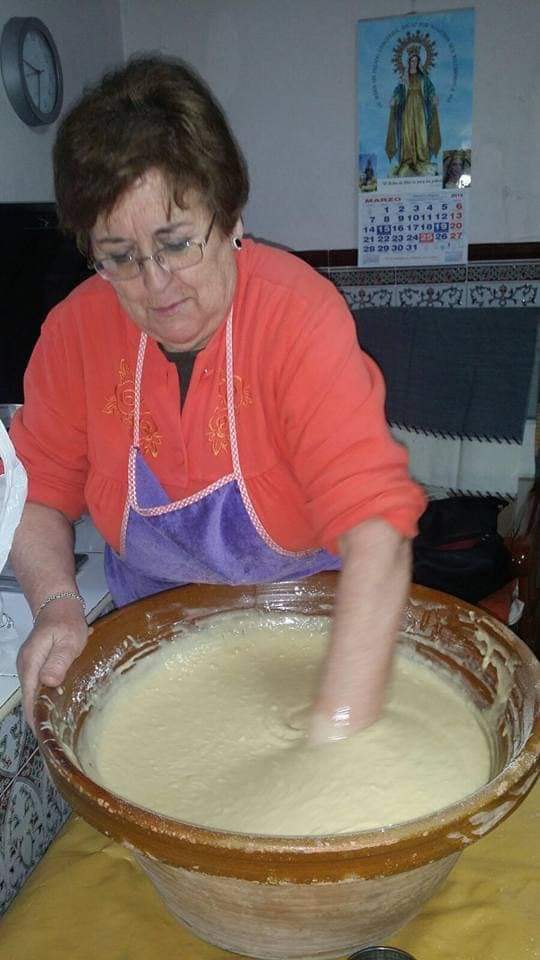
(214, 536)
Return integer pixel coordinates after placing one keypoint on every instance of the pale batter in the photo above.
(212, 730)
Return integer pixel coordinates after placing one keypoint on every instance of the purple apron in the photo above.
(214, 536)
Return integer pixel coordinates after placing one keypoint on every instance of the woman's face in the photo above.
(455, 168)
(180, 310)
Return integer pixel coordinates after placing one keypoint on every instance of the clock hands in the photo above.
(38, 72)
(32, 67)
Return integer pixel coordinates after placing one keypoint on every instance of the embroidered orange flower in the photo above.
(218, 425)
(122, 403)
(150, 439)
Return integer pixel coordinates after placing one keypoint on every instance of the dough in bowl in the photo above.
(211, 729)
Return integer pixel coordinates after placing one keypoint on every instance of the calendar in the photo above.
(405, 229)
(414, 156)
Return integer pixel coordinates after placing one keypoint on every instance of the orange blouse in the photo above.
(315, 450)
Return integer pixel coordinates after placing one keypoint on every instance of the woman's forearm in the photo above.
(42, 557)
(370, 598)
(42, 554)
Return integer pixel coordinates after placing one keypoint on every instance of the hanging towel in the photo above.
(462, 392)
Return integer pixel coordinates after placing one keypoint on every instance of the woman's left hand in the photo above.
(372, 589)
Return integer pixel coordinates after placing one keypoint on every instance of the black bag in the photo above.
(458, 549)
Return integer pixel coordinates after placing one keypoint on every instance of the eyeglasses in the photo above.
(172, 257)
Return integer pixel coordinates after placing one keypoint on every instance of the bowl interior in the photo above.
(494, 668)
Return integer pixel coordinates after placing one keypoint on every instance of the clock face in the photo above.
(39, 71)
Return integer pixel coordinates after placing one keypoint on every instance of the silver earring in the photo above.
(236, 243)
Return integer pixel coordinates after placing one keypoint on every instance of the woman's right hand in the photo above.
(58, 638)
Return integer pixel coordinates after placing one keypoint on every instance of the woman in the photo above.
(274, 463)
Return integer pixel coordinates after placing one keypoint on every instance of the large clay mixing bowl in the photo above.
(283, 897)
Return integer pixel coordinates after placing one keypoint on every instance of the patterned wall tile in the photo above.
(22, 832)
(503, 293)
(504, 284)
(368, 296)
(518, 270)
(361, 276)
(450, 275)
(31, 809)
(55, 809)
(5, 889)
(431, 295)
(5, 783)
(17, 743)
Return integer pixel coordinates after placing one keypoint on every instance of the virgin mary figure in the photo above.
(414, 135)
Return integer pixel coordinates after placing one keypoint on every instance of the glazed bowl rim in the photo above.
(516, 779)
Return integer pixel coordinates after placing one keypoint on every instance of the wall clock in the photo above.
(31, 70)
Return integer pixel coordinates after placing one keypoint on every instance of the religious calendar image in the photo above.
(414, 155)
(413, 229)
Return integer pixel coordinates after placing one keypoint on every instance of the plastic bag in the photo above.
(13, 489)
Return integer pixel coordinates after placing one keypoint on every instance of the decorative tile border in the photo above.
(449, 274)
(368, 276)
(503, 294)
(518, 270)
(504, 284)
(31, 814)
(376, 296)
(17, 743)
(23, 833)
(432, 295)
(31, 809)
(360, 276)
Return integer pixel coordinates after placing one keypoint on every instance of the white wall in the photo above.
(285, 72)
(89, 40)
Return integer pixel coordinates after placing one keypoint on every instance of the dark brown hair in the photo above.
(153, 113)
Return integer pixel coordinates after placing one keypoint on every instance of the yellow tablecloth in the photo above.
(87, 900)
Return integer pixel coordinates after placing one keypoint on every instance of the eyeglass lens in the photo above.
(168, 259)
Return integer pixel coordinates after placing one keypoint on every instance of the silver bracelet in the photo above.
(66, 595)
